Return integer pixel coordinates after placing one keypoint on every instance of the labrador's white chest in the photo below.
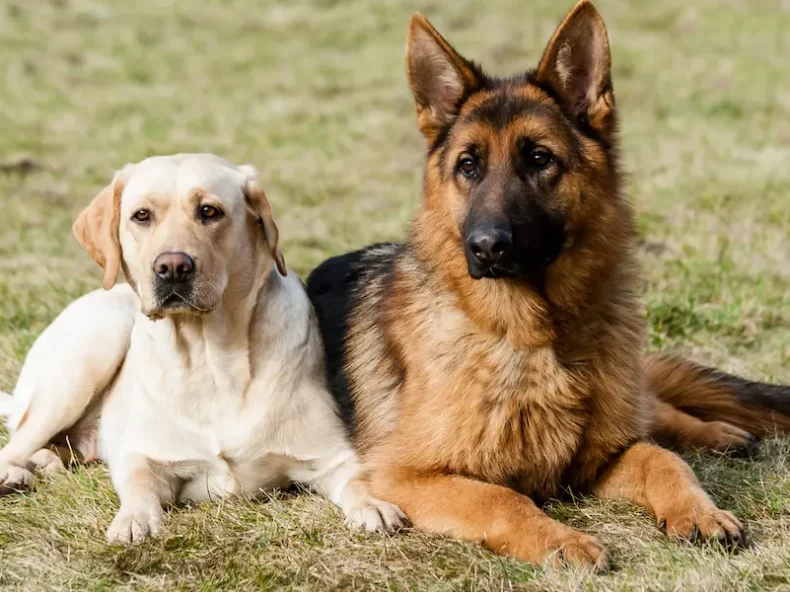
(198, 412)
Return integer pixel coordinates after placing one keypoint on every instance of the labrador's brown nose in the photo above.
(174, 267)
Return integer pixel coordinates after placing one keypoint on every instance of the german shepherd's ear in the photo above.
(96, 229)
(577, 67)
(439, 77)
(259, 204)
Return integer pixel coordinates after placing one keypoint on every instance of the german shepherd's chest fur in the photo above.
(510, 416)
(424, 384)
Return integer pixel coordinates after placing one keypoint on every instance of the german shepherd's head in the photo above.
(521, 181)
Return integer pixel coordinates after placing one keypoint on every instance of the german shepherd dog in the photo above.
(495, 358)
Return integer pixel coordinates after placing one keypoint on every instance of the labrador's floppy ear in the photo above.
(96, 229)
(257, 201)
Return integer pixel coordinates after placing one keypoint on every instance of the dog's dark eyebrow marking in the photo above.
(582, 126)
(504, 108)
(441, 139)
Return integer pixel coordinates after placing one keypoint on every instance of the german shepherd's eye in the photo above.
(209, 213)
(142, 216)
(467, 166)
(539, 157)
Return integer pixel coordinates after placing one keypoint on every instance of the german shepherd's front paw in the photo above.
(565, 547)
(583, 551)
(694, 523)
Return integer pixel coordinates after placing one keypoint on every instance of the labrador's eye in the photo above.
(210, 213)
(142, 216)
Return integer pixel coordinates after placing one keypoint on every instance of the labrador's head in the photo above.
(187, 230)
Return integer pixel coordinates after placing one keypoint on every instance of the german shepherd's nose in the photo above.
(488, 245)
(175, 267)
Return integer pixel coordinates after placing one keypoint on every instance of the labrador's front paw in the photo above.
(377, 516)
(132, 525)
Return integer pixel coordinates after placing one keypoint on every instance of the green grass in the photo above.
(313, 93)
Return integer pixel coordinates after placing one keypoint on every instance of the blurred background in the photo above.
(314, 94)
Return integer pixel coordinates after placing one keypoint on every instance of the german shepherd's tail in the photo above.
(759, 408)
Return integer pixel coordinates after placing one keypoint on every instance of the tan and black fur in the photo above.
(496, 357)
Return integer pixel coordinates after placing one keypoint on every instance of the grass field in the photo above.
(313, 93)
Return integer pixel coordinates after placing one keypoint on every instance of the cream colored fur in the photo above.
(223, 396)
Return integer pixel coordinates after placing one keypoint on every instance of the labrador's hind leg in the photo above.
(46, 462)
(66, 372)
(19, 467)
(56, 457)
(15, 471)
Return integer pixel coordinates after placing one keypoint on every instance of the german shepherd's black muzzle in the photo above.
(522, 243)
(488, 250)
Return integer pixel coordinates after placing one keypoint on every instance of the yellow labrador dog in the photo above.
(201, 377)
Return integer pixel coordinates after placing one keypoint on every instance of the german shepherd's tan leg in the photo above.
(673, 426)
(506, 521)
(662, 482)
